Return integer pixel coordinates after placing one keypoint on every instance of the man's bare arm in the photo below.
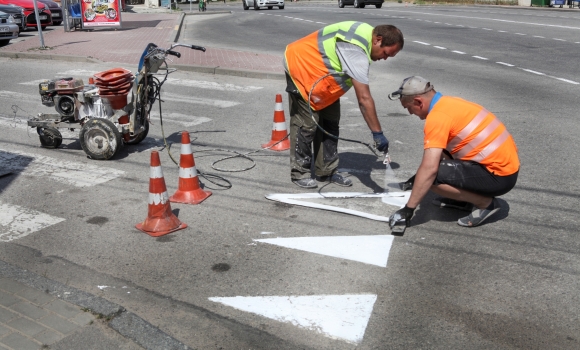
(366, 104)
(425, 175)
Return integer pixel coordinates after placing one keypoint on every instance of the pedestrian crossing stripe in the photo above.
(398, 199)
(70, 173)
(18, 222)
(343, 317)
(183, 119)
(373, 250)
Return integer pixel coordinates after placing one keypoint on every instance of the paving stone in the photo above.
(6, 315)
(35, 296)
(62, 308)
(48, 337)
(10, 285)
(7, 299)
(84, 318)
(58, 323)
(3, 348)
(26, 326)
(20, 342)
(29, 310)
(4, 331)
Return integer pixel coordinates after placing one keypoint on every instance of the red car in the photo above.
(29, 18)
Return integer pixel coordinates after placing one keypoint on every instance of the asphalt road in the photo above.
(511, 283)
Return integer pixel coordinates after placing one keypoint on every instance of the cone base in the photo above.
(139, 227)
(282, 146)
(190, 197)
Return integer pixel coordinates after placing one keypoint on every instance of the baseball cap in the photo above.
(414, 85)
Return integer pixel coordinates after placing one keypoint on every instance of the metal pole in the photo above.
(38, 26)
(64, 7)
(190, 5)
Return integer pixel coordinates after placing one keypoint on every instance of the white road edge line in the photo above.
(459, 52)
(440, 47)
(505, 64)
(532, 71)
(422, 43)
(480, 58)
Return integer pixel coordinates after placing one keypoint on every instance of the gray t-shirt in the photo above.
(354, 60)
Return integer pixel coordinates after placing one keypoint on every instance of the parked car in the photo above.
(256, 4)
(17, 13)
(29, 17)
(55, 10)
(8, 29)
(361, 3)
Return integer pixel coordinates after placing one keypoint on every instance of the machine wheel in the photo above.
(246, 7)
(379, 6)
(100, 139)
(49, 137)
(136, 139)
(256, 7)
(65, 105)
(340, 4)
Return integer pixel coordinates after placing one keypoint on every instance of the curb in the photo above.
(175, 34)
(39, 56)
(125, 323)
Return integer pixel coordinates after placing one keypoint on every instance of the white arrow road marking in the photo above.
(197, 100)
(373, 250)
(398, 199)
(183, 119)
(18, 222)
(343, 317)
(72, 173)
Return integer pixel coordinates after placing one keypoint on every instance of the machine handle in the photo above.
(174, 53)
(200, 48)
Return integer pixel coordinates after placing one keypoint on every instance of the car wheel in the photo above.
(270, 7)
(340, 4)
(355, 3)
(57, 23)
(100, 139)
(49, 137)
(43, 27)
(281, 7)
(4, 42)
(362, 6)
(244, 5)
(379, 6)
(256, 7)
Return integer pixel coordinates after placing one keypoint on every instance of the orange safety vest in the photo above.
(312, 57)
(475, 134)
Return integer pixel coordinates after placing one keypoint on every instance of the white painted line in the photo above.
(538, 36)
(18, 222)
(34, 82)
(288, 17)
(372, 250)
(77, 72)
(70, 173)
(459, 25)
(559, 39)
(267, 233)
(486, 29)
(520, 34)
(440, 47)
(299, 19)
(568, 81)
(398, 199)
(459, 52)
(505, 64)
(198, 100)
(479, 57)
(532, 71)
(343, 317)
(472, 27)
(501, 31)
(183, 119)
(422, 43)
(212, 85)
(577, 42)
(19, 96)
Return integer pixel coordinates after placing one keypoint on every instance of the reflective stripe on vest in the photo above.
(478, 139)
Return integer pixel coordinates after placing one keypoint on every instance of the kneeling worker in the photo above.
(327, 63)
(469, 156)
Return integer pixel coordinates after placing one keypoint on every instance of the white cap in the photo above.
(411, 86)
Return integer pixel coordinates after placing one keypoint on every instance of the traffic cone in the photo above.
(160, 220)
(279, 131)
(188, 191)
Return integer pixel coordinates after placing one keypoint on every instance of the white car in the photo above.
(256, 4)
(8, 30)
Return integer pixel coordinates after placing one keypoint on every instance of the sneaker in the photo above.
(478, 216)
(443, 202)
(305, 183)
(336, 179)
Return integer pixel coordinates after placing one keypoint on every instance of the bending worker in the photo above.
(347, 47)
(469, 156)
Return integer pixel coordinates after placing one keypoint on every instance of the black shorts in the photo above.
(474, 177)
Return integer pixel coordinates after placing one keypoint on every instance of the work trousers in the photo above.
(304, 135)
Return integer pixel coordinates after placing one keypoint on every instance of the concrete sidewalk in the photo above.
(142, 26)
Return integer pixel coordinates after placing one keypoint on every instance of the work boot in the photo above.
(336, 179)
(443, 202)
(478, 216)
(305, 183)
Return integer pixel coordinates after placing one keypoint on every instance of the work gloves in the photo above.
(405, 214)
(381, 142)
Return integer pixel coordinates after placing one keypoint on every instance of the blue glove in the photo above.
(381, 142)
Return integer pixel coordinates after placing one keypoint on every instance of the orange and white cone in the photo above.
(279, 130)
(188, 191)
(160, 220)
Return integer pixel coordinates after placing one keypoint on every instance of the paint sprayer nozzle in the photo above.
(387, 159)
